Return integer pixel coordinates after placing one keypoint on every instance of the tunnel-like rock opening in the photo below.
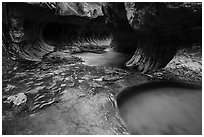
(151, 32)
(31, 31)
(74, 28)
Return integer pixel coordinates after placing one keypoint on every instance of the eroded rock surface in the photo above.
(54, 92)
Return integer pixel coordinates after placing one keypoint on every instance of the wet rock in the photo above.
(60, 57)
(68, 99)
(17, 99)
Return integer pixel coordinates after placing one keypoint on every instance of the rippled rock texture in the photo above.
(48, 90)
(151, 32)
(32, 30)
(65, 99)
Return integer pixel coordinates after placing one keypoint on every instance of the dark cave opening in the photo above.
(58, 33)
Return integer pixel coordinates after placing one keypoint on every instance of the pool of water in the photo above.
(109, 58)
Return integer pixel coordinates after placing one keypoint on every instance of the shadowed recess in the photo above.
(33, 31)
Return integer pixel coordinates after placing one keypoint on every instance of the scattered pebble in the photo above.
(63, 74)
(99, 79)
(63, 85)
(80, 81)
